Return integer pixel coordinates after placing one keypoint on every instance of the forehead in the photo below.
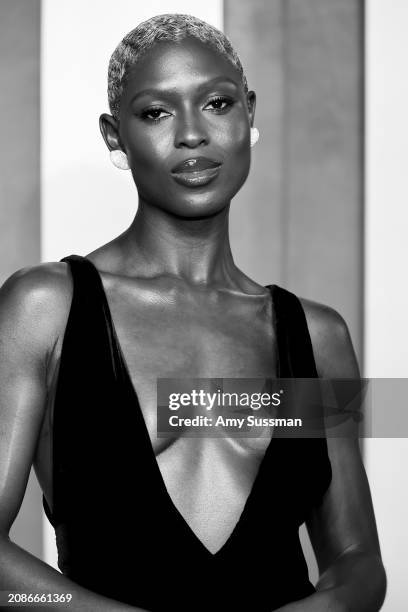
(172, 65)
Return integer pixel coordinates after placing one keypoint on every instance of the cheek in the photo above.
(239, 161)
(237, 152)
(149, 150)
(242, 134)
(147, 157)
(233, 136)
(237, 156)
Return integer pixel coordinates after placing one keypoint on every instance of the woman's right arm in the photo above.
(33, 303)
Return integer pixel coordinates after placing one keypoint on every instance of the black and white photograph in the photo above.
(203, 307)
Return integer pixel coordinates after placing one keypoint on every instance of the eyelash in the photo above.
(145, 114)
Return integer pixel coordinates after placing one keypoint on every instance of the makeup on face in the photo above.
(196, 171)
(185, 126)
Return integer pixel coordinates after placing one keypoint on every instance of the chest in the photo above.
(192, 338)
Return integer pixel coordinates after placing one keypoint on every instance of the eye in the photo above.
(220, 103)
(153, 114)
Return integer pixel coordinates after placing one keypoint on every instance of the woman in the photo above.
(149, 523)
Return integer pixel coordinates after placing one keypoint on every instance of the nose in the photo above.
(190, 131)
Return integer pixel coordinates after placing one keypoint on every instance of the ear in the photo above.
(251, 101)
(110, 131)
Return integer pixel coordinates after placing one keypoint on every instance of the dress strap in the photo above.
(90, 309)
(89, 379)
(296, 356)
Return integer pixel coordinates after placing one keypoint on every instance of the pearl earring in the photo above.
(119, 159)
(254, 136)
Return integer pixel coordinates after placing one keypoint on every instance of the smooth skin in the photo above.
(181, 307)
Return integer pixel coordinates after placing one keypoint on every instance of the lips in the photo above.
(195, 164)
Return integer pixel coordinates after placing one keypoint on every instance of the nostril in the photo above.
(191, 141)
(190, 135)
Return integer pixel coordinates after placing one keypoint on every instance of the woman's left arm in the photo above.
(342, 528)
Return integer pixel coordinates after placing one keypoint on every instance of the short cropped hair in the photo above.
(170, 27)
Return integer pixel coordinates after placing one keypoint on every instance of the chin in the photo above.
(197, 211)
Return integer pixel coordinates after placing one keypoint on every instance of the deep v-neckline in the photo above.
(127, 379)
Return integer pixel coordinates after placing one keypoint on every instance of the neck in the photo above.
(195, 250)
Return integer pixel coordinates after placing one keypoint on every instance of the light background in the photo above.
(386, 259)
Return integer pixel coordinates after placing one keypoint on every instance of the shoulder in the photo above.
(41, 284)
(35, 301)
(331, 341)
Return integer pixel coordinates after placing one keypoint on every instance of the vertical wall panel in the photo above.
(20, 131)
(255, 29)
(20, 184)
(323, 161)
(386, 329)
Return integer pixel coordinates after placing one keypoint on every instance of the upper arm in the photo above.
(345, 518)
(32, 302)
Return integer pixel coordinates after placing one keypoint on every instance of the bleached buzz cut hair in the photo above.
(170, 27)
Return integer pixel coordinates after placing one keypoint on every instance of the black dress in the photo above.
(118, 532)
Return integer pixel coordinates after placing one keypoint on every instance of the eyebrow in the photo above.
(160, 92)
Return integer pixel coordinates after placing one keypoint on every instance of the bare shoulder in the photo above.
(40, 284)
(35, 301)
(332, 345)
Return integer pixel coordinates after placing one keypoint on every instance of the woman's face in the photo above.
(184, 103)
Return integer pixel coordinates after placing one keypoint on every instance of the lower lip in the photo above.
(197, 178)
